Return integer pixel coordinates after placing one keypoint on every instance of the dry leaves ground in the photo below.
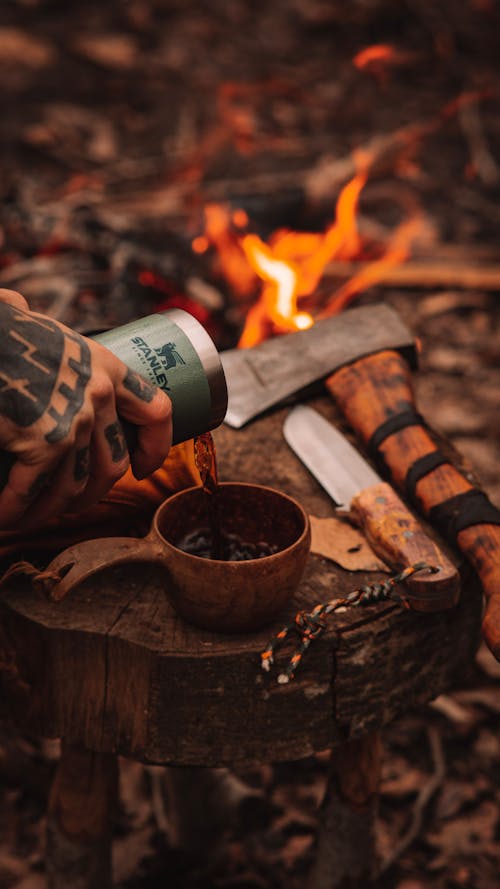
(119, 122)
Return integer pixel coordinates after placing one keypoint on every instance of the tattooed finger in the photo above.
(109, 459)
(149, 409)
(56, 490)
(25, 485)
(116, 441)
(139, 387)
(42, 481)
(81, 469)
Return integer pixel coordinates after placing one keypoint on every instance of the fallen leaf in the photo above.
(487, 745)
(467, 835)
(118, 51)
(17, 47)
(337, 540)
(454, 798)
(295, 849)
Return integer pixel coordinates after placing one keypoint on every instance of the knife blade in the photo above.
(392, 530)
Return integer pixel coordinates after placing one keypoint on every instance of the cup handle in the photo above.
(80, 561)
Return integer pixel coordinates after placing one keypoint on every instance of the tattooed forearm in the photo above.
(139, 386)
(116, 440)
(36, 353)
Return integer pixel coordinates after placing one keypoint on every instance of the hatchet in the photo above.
(365, 357)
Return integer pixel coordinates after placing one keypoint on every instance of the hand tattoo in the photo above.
(38, 357)
(82, 464)
(139, 386)
(41, 482)
(116, 440)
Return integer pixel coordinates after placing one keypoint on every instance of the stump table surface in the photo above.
(114, 669)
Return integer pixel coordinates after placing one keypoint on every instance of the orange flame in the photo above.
(218, 233)
(277, 305)
(292, 264)
(397, 252)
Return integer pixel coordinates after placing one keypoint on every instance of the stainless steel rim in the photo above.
(210, 359)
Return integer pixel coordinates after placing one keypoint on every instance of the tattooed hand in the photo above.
(61, 396)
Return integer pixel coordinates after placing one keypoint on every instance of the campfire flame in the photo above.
(291, 264)
(398, 250)
(278, 301)
(219, 233)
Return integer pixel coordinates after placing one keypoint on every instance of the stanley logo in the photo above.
(157, 361)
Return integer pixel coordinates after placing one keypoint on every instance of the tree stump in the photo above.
(113, 670)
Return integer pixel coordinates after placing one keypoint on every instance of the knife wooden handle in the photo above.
(397, 537)
(378, 387)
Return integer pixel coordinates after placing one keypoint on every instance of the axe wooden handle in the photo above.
(369, 392)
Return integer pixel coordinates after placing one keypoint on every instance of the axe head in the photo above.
(268, 374)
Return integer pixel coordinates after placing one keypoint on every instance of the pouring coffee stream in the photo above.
(206, 463)
(214, 542)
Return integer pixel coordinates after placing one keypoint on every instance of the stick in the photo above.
(345, 847)
(423, 799)
(426, 274)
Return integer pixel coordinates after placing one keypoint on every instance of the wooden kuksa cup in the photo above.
(223, 596)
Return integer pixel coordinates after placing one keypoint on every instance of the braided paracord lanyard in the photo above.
(310, 624)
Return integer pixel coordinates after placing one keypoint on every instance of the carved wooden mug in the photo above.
(224, 596)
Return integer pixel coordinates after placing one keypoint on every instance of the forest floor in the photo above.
(121, 123)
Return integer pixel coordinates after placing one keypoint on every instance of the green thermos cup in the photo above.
(174, 352)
